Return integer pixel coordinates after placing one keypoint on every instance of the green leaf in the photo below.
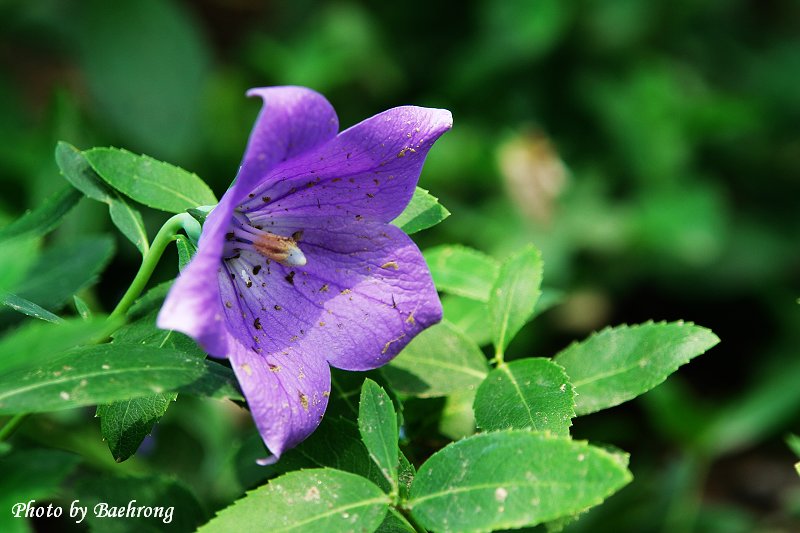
(35, 342)
(511, 479)
(97, 374)
(395, 523)
(186, 250)
(439, 361)
(308, 500)
(125, 424)
(31, 475)
(16, 257)
(64, 269)
(618, 364)
(458, 418)
(82, 307)
(76, 169)
(514, 295)
(469, 316)
(793, 441)
(334, 433)
(462, 271)
(129, 222)
(377, 423)
(423, 212)
(532, 393)
(148, 181)
(26, 307)
(45, 218)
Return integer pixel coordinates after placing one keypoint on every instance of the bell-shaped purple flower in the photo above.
(298, 267)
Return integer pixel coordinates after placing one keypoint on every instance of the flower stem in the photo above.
(12, 425)
(149, 261)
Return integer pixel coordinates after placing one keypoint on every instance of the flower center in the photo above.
(278, 248)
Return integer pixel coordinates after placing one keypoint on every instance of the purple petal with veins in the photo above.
(298, 268)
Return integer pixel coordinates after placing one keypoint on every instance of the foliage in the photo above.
(655, 184)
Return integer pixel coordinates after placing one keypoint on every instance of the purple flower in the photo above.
(298, 267)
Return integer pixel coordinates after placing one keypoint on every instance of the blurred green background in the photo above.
(650, 149)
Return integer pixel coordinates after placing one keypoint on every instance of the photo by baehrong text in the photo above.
(78, 512)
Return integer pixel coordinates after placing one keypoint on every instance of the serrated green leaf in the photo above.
(309, 500)
(423, 212)
(64, 269)
(31, 475)
(186, 250)
(45, 218)
(439, 361)
(462, 271)
(514, 295)
(125, 424)
(532, 393)
(79, 173)
(511, 479)
(377, 423)
(97, 374)
(26, 307)
(35, 342)
(148, 181)
(618, 364)
(77, 170)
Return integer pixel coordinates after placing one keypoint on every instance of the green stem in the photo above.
(408, 518)
(12, 426)
(149, 261)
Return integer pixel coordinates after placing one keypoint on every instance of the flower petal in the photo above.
(293, 120)
(364, 293)
(369, 170)
(287, 394)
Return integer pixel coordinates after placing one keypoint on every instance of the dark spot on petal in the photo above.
(257, 323)
(229, 236)
(336, 180)
(324, 288)
(290, 277)
(256, 269)
(251, 195)
(266, 199)
(359, 217)
(249, 283)
(370, 195)
(348, 155)
(228, 305)
(278, 307)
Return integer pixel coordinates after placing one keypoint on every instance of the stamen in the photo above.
(282, 249)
